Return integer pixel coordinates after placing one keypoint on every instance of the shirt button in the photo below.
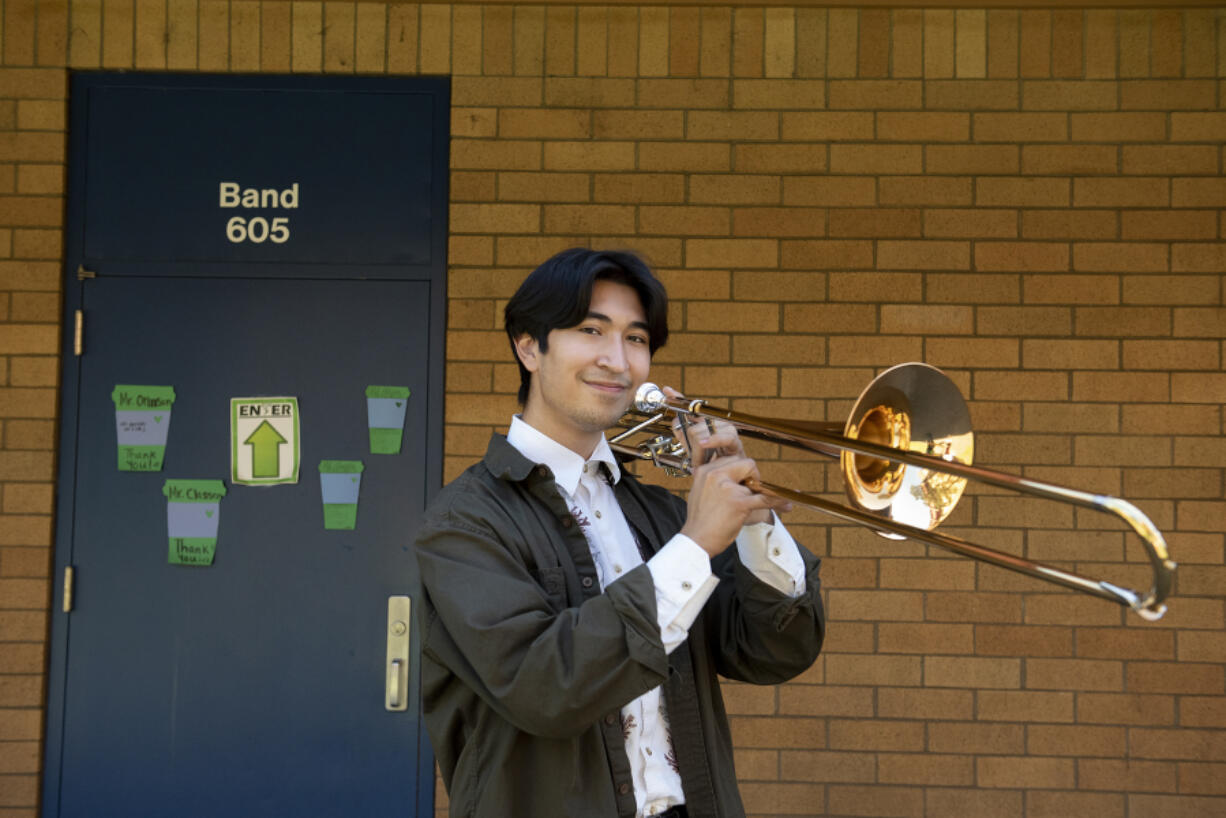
(587, 582)
(597, 514)
(617, 568)
(685, 586)
(776, 551)
(649, 751)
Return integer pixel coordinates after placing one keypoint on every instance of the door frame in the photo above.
(435, 273)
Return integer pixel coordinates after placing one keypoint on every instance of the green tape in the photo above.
(194, 491)
(340, 466)
(387, 392)
(135, 398)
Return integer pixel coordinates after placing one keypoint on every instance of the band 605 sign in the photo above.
(257, 229)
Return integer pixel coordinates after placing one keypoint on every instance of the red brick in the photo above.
(1125, 708)
(1023, 771)
(1022, 321)
(1069, 95)
(1070, 224)
(1122, 257)
(1006, 640)
(955, 191)
(876, 159)
(1076, 160)
(1210, 192)
(868, 734)
(1076, 740)
(684, 156)
(925, 638)
(923, 127)
(754, 158)
(541, 187)
(949, 606)
(1004, 191)
(1021, 256)
(1201, 711)
(1122, 192)
(816, 765)
(1115, 128)
(872, 801)
(875, 94)
(631, 188)
(923, 320)
(1003, 673)
(1019, 127)
(683, 93)
(1163, 160)
(873, 223)
(973, 223)
(822, 254)
(1069, 289)
(971, 159)
(1172, 224)
(923, 255)
(1157, 289)
(979, 95)
(778, 94)
(1181, 678)
(926, 768)
(734, 189)
(1126, 776)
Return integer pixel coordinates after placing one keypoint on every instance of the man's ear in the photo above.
(528, 350)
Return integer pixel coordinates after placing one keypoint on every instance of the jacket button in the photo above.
(567, 522)
(587, 582)
(610, 719)
(623, 788)
(543, 471)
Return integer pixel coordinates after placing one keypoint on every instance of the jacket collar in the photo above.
(508, 461)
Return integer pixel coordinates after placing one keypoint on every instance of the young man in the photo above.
(573, 619)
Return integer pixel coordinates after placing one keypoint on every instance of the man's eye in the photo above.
(590, 330)
(638, 339)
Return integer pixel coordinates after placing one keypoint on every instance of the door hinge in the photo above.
(78, 334)
(83, 274)
(68, 580)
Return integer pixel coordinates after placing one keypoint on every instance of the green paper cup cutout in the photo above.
(385, 407)
(339, 482)
(142, 421)
(193, 508)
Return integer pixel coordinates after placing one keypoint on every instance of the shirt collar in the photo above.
(567, 467)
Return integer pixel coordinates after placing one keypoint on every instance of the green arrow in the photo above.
(265, 457)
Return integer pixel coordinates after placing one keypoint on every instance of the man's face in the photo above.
(587, 378)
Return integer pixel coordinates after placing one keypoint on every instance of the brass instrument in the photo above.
(906, 453)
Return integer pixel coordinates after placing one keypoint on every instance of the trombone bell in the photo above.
(911, 407)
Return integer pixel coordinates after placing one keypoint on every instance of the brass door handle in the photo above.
(396, 683)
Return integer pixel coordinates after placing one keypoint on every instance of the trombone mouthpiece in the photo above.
(648, 399)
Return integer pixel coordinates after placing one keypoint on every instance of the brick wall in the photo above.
(1031, 200)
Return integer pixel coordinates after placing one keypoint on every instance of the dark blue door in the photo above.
(258, 684)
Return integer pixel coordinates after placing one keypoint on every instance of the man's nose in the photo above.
(613, 355)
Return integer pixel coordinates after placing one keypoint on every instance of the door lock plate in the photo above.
(396, 669)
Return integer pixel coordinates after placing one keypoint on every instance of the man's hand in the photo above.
(719, 502)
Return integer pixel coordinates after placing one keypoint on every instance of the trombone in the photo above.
(906, 454)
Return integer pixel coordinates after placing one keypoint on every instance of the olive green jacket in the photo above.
(526, 664)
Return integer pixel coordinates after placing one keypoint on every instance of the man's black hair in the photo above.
(558, 294)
